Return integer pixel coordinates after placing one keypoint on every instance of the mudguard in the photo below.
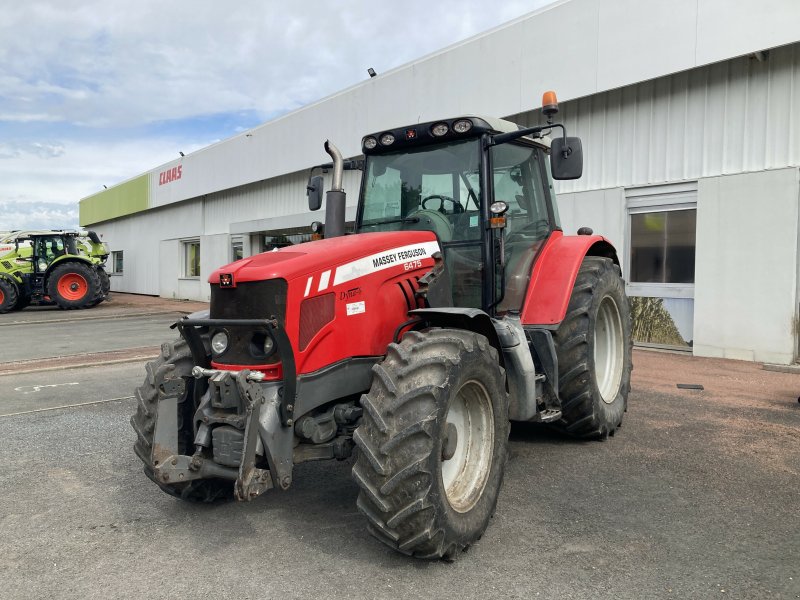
(554, 273)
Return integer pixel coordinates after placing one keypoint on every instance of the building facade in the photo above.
(690, 119)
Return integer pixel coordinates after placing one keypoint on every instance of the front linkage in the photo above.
(228, 403)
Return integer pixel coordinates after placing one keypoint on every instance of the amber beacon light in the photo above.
(549, 104)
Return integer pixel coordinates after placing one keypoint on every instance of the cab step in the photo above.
(548, 415)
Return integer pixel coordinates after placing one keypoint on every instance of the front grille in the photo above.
(250, 300)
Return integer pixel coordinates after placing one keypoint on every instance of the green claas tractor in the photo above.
(52, 267)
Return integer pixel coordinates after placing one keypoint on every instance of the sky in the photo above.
(93, 93)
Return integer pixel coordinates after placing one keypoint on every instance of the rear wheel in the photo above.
(73, 285)
(144, 422)
(593, 345)
(433, 443)
(9, 296)
(104, 289)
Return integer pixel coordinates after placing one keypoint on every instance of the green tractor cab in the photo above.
(66, 268)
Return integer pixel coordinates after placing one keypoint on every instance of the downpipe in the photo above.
(335, 197)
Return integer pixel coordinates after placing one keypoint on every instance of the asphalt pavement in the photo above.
(695, 497)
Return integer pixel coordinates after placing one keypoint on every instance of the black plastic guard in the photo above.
(471, 319)
(188, 330)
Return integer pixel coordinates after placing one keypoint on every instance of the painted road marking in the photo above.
(32, 389)
(36, 410)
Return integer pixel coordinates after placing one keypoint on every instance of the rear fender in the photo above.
(554, 274)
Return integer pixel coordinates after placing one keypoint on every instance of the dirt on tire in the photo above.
(403, 440)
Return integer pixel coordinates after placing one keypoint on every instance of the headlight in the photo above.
(370, 143)
(269, 345)
(387, 139)
(219, 342)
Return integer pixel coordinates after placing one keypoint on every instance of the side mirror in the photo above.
(314, 192)
(566, 158)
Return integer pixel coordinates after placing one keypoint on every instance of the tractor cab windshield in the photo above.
(433, 188)
(438, 188)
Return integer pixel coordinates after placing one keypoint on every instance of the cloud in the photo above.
(40, 149)
(37, 215)
(95, 92)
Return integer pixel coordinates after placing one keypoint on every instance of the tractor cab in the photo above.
(483, 185)
(445, 177)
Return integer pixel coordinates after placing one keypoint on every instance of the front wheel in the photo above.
(433, 443)
(176, 355)
(593, 345)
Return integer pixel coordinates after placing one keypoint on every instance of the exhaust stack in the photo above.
(335, 197)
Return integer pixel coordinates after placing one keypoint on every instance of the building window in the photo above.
(662, 229)
(237, 248)
(191, 258)
(662, 246)
(117, 262)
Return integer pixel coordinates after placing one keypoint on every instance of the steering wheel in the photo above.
(457, 206)
(537, 228)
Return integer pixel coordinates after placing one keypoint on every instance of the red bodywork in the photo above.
(368, 281)
(554, 273)
(372, 277)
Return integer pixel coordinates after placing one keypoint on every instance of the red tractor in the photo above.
(457, 306)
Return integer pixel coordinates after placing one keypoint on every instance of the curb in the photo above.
(79, 361)
(782, 368)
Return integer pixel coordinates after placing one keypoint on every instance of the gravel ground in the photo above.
(695, 497)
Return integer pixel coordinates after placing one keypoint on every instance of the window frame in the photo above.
(185, 244)
(113, 257)
(641, 204)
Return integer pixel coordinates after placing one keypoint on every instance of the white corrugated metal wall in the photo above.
(736, 116)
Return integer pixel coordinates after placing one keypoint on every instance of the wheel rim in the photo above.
(2, 297)
(72, 286)
(465, 473)
(608, 350)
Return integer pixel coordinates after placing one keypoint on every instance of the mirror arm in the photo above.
(502, 138)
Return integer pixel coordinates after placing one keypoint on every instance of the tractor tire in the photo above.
(432, 443)
(144, 422)
(73, 285)
(9, 295)
(593, 345)
(104, 289)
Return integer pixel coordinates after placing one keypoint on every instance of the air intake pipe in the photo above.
(335, 197)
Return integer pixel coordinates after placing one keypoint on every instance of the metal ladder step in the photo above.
(548, 415)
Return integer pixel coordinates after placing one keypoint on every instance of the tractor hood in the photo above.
(345, 253)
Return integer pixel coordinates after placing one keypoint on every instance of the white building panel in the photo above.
(624, 53)
(747, 266)
(138, 237)
(740, 115)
